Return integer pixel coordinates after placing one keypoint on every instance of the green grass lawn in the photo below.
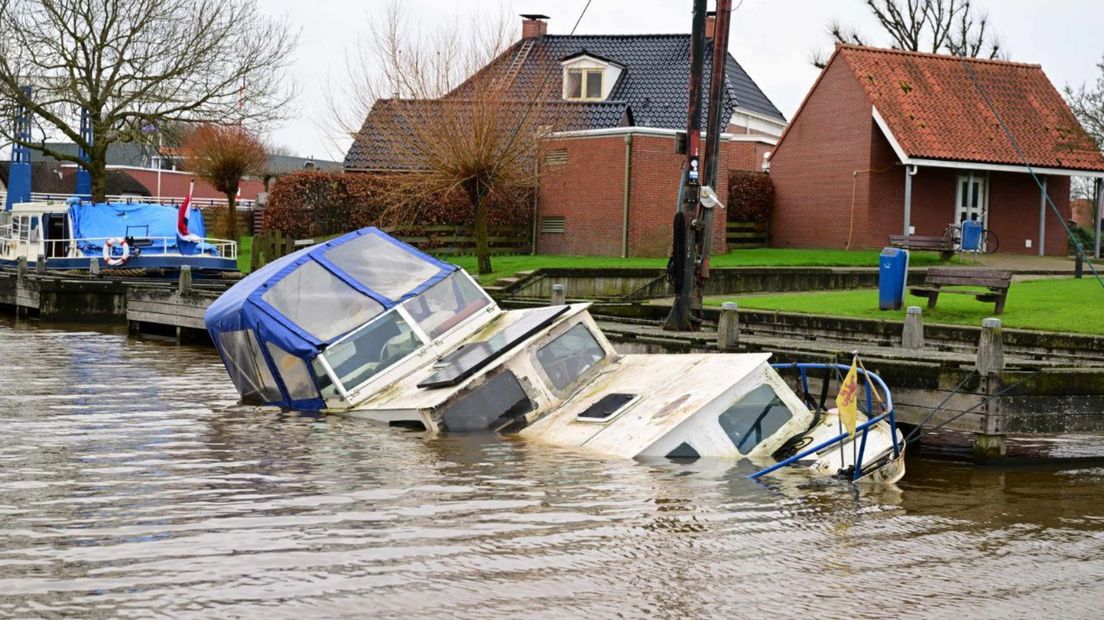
(245, 254)
(1066, 305)
(762, 257)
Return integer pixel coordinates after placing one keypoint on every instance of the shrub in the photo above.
(1085, 236)
(312, 203)
(750, 196)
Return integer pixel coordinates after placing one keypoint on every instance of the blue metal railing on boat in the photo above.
(872, 382)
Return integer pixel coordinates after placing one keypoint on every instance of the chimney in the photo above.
(534, 26)
(710, 24)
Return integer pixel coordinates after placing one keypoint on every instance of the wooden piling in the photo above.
(990, 442)
(912, 336)
(559, 295)
(94, 267)
(990, 352)
(184, 284)
(21, 269)
(40, 265)
(728, 327)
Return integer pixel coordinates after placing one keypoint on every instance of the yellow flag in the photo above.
(846, 400)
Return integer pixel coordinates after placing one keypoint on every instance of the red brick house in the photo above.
(608, 182)
(891, 142)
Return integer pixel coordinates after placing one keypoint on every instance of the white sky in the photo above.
(772, 39)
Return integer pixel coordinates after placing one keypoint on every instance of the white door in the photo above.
(972, 199)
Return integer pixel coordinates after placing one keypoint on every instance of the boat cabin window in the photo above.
(293, 371)
(755, 417)
(320, 303)
(570, 355)
(491, 406)
(372, 349)
(382, 266)
(247, 367)
(446, 304)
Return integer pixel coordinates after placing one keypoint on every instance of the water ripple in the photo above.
(131, 485)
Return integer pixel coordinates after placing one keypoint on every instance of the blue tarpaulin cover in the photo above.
(306, 300)
(93, 223)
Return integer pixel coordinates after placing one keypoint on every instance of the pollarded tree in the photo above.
(133, 64)
(222, 155)
(448, 120)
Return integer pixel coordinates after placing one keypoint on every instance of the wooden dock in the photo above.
(154, 305)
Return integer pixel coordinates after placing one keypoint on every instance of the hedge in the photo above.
(750, 197)
(313, 203)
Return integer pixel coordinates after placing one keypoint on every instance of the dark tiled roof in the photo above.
(934, 108)
(654, 83)
(385, 141)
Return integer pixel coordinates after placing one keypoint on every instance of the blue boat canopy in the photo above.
(271, 326)
(92, 224)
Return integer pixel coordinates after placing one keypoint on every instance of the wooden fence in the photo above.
(746, 235)
(444, 240)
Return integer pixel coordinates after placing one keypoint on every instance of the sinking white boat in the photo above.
(368, 326)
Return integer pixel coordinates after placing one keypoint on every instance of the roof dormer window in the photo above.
(583, 84)
(587, 77)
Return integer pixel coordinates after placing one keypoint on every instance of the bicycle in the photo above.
(988, 244)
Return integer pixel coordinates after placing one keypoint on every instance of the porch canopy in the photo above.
(974, 115)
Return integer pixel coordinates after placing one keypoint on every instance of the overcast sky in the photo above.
(772, 39)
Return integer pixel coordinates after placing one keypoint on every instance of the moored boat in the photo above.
(72, 234)
(368, 326)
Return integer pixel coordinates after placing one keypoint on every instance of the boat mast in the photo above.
(683, 251)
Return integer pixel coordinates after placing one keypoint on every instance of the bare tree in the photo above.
(132, 64)
(1087, 104)
(935, 26)
(222, 155)
(448, 121)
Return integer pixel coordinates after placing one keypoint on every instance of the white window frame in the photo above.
(349, 393)
(583, 74)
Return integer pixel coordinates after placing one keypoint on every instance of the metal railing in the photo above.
(221, 248)
(241, 204)
(872, 382)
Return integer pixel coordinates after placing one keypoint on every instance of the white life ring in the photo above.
(111, 260)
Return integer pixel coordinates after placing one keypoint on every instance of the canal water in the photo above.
(132, 485)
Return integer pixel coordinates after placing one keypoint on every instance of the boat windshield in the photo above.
(446, 304)
(754, 417)
(370, 350)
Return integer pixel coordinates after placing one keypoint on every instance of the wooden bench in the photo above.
(944, 245)
(996, 281)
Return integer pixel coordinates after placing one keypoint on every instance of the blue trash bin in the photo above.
(971, 236)
(892, 273)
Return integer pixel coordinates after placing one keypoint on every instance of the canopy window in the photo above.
(382, 266)
(247, 367)
(320, 303)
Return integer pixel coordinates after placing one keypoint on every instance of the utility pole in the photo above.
(683, 251)
(713, 128)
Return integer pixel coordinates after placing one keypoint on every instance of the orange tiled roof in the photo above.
(935, 110)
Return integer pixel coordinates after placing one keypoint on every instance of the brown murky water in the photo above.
(131, 485)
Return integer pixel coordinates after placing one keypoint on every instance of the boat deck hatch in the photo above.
(606, 408)
(477, 355)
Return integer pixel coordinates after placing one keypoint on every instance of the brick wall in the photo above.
(586, 187)
(813, 168)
